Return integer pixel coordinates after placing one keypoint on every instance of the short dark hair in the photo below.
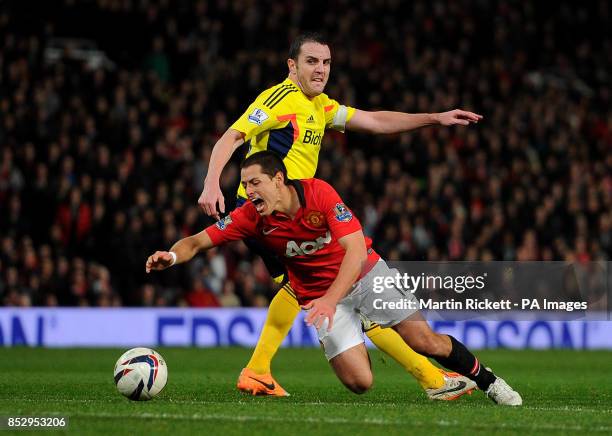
(300, 40)
(270, 163)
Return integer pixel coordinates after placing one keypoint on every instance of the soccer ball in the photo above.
(140, 374)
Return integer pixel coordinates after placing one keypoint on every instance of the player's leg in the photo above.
(437, 383)
(452, 354)
(388, 341)
(256, 377)
(282, 311)
(370, 301)
(345, 349)
(353, 368)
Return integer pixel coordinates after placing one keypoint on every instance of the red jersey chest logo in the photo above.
(314, 218)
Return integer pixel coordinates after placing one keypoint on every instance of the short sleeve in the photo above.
(239, 224)
(340, 218)
(336, 114)
(257, 118)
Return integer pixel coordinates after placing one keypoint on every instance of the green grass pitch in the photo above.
(563, 392)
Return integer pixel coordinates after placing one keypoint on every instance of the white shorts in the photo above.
(346, 331)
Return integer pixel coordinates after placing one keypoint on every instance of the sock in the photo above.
(465, 363)
(281, 314)
(387, 340)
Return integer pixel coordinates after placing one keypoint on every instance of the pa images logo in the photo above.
(224, 222)
(342, 213)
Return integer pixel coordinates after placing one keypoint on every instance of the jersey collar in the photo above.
(288, 81)
(297, 86)
(299, 188)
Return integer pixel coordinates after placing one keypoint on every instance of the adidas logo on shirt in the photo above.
(310, 119)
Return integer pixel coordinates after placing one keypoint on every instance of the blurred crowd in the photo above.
(101, 166)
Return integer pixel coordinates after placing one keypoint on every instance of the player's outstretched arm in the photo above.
(222, 151)
(387, 122)
(350, 269)
(184, 250)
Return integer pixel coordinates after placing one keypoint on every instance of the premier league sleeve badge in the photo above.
(342, 213)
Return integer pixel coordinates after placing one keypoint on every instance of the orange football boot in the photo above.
(259, 384)
(455, 386)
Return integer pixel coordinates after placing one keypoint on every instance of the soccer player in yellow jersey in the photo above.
(290, 119)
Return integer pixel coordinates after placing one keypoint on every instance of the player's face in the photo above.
(261, 189)
(312, 68)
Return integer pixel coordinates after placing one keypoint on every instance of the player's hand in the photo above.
(158, 261)
(319, 310)
(210, 196)
(457, 116)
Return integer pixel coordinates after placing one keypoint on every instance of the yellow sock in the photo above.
(281, 314)
(387, 340)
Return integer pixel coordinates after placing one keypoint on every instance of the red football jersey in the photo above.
(308, 245)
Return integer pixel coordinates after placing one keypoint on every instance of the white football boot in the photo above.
(501, 393)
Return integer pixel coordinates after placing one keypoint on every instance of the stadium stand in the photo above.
(106, 128)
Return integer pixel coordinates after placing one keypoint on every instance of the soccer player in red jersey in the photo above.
(332, 266)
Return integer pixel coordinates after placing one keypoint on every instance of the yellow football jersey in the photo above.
(284, 120)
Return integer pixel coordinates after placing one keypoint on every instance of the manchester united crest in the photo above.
(314, 218)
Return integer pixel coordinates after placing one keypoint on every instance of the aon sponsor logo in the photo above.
(307, 247)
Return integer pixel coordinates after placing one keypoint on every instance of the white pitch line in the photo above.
(318, 403)
(327, 420)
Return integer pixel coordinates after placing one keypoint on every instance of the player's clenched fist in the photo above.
(159, 260)
(210, 196)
